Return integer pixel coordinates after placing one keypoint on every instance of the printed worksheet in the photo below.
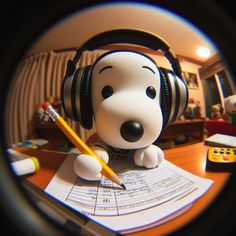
(151, 195)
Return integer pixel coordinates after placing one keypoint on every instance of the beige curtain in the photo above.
(35, 79)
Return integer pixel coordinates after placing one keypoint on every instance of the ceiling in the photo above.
(183, 38)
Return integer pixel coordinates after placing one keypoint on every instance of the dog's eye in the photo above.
(107, 91)
(151, 92)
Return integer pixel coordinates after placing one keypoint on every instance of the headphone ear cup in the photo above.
(76, 97)
(67, 93)
(166, 97)
(85, 113)
(174, 96)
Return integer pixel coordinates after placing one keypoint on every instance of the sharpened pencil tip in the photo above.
(123, 186)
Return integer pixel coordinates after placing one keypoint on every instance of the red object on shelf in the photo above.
(220, 127)
(45, 105)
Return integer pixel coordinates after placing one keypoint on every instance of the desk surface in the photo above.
(191, 158)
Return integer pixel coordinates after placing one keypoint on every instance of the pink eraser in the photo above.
(45, 105)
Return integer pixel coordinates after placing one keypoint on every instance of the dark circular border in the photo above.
(23, 21)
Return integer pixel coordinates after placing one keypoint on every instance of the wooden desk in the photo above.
(194, 128)
(190, 157)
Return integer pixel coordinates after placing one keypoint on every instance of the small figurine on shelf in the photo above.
(55, 103)
(193, 110)
(216, 112)
(40, 116)
(129, 98)
(198, 110)
(230, 109)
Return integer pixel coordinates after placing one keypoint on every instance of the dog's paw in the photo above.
(149, 157)
(87, 167)
(100, 152)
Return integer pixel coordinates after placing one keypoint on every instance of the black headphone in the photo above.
(76, 88)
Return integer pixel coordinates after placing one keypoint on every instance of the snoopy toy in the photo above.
(230, 108)
(127, 96)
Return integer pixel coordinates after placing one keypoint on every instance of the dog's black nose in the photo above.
(131, 131)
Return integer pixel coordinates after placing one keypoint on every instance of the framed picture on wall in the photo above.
(191, 79)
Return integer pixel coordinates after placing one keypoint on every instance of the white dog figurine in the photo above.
(125, 91)
(230, 108)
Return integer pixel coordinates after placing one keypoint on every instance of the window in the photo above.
(224, 83)
(211, 93)
(217, 83)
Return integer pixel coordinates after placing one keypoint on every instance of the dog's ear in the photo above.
(174, 96)
(76, 97)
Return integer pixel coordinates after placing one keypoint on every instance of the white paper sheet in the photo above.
(221, 140)
(151, 195)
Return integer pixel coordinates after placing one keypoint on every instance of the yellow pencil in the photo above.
(73, 137)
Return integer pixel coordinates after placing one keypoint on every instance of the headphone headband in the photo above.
(130, 36)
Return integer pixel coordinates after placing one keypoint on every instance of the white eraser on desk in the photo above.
(26, 166)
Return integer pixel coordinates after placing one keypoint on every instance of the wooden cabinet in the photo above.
(49, 131)
(193, 128)
(182, 132)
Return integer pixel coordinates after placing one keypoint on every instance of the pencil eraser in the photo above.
(45, 105)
